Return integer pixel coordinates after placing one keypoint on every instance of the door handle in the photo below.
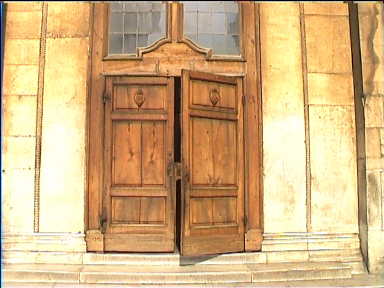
(174, 169)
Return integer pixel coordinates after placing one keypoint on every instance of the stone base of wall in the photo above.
(276, 248)
(44, 242)
(376, 251)
(314, 247)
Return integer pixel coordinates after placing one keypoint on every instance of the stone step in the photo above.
(172, 274)
(154, 259)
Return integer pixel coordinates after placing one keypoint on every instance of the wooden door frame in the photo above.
(99, 67)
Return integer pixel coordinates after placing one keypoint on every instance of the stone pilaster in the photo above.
(371, 23)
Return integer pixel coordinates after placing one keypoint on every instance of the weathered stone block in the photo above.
(382, 200)
(19, 152)
(373, 78)
(19, 115)
(325, 8)
(372, 143)
(330, 89)
(42, 257)
(21, 79)
(283, 114)
(374, 115)
(287, 256)
(328, 44)
(20, 51)
(374, 188)
(17, 190)
(376, 251)
(71, 66)
(374, 163)
(17, 6)
(63, 135)
(23, 25)
(333, 169)
(68, 19)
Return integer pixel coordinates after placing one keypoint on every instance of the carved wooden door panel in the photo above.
(138, 202)
(212, 155)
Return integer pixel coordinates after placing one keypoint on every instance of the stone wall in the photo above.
(371, 20)
(21, 81)
(45, 95)
(308, 120)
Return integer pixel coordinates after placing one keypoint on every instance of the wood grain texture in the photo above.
(212, 152)
(138, 198)
(163, 62)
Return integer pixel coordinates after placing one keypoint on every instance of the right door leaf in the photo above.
(213, 163)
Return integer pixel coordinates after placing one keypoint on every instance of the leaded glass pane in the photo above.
(134, 24)
(213, 24)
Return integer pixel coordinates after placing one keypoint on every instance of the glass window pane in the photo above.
(129, 43)
(218, 23)
(116, 22)
(156, 21)
(193, 37)
(145, 22)
(144, 6)
(139, 23)
(213, 24)
(219, 45)
(116, 43)
(231, 6)
(153, 37)
(232, 44)
(130, 7)
(130, 22)
(205, 40)
(192, 6)
(142, 40)
(204, 22)
(116, 6)
(190, 23)
(157, 6)
(233, 23)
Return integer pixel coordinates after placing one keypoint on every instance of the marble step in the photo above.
(169, 274)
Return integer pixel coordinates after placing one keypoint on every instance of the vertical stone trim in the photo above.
(88, 112)
(39, 118)
(306, 118)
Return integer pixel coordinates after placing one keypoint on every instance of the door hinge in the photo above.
(105, 97)
(245, 220)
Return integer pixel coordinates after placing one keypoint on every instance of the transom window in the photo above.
(135, 24)
(214, 24)
(210, 25)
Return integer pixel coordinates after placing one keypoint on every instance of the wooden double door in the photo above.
(148, 148)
